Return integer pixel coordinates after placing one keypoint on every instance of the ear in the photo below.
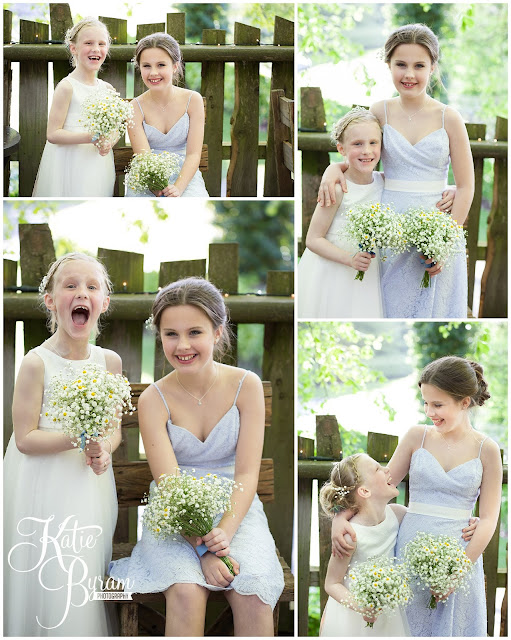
(364, 492)
(466, 402)
(49, 302)
(433, 67)
(218, 333)
(340, 148)
(106, 304)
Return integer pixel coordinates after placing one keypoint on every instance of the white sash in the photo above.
(438, 511)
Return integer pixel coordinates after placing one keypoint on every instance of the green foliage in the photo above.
(314, 612)
(202, 16)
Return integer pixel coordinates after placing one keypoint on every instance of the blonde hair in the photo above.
(168, 44)
(48, 283)
(339, 493)
(72, 34)
(356, 115)
(415, 34)
(458, 377)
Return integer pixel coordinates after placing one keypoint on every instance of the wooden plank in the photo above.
(170, 272)
(281, 134)
(279, 441)
(475, 132)
(60, 21)
(10, 272)
(223, 268)
(7, 95)
(176, 28)
(282, 77)
(314, 163)
(33, 112)
(381, 446)
(305, 450)
(242, 172)
(142, 31)
(494, 280)
(36, 255)
(212, 88)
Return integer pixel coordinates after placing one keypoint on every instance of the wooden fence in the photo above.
(314, 463)
(123, 331)
(246, 51)
(315, 143)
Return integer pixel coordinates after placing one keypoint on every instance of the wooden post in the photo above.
(7, 93)
(494, 281)
(328, 445)
(145, 30)
(33, 107)
(60, 21)
(114, 71)
(314, 163)
(212, 88)
(10, 271)
(223, 268)
(242, 173)
(282, 76)
(170, 272)
(176, 28)
(381, 446)
(305, 450)
(36, 255)
(475, 132)
(284, 179)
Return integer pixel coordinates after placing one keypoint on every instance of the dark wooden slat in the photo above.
(60, 21)
(282, 134)
(176, 28)
(223, 268)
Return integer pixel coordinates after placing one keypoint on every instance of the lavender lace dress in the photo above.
(416, 175)
(174, 141)
(155, 565)
(441, 502)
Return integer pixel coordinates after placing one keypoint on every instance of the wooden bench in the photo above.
(283, 140)
(132, 479)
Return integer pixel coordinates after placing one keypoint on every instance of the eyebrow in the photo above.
(189, 329)
(415, 61)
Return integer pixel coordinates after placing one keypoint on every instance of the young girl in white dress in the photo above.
(326, 272)
(167, 117)
(60, 504)
(74, 162)
(205, 417)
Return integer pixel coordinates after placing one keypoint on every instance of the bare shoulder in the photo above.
(490, 452)
(413, 437)
(251, 388)
(149, 397)
(196, 101)
(453, 121)
(113, 361)
(32, 365)
(378, 109)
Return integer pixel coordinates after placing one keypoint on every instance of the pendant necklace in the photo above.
(413, 114)
(454, 444)
(163, 108)
(199, 400)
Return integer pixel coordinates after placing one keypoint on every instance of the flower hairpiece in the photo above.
(43, 285)
(343, 491)
(149, 324)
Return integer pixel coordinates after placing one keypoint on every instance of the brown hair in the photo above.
(168, 44)
(201, 294)
(356, 115)
(72, 33)
(414, 34)
(48, 282)
(459, 377)
(339, 493)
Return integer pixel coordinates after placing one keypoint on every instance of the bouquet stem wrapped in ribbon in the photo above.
(88, 403)
(439, 562)
(105, 114)
(184, 504)
(151, 171)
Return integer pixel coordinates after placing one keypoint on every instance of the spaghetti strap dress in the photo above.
(174, 141)
(75, 170)
(59, 521)
(441, 502)
(155, 565)
(416, 175)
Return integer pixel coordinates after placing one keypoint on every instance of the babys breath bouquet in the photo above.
(379, 585)
(151, 171)
(435, 234)
(439, 562)
(372, 226)
(106, 114)
(187, 505)
(88, 403)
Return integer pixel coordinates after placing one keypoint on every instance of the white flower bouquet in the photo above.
(151, 171)
(439, 562)
(184, 504)
(379, 585)
(106, 114)
(372, 226)
(435, 234)
(89, 403)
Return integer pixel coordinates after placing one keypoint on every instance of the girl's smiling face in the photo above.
(411, 68)
(188, 337)
(361, 146)
(376, 479)
(156, 68)
(444, 411)
(91, 48)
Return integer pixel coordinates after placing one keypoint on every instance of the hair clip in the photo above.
(342, 491)
(149, 324)
(43, 285)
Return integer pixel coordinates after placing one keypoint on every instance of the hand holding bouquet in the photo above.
(372, 226)
(151, 171)
(435, 234)
(439, 562)
(379, 585)
(187, 505)
(106, 116)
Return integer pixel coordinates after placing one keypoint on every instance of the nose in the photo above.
(183, 342)
(429, 411)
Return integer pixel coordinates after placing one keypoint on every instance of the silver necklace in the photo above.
(413, 114)
(454, 444)
(199, 400)
(163, 108)
(52, 348)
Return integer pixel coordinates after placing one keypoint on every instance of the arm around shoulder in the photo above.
(462, 164)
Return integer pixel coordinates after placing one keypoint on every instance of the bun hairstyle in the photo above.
(71, 36)
(168, 44)
(414, 34)
(339, 493)
(355, 116)
(459, 377)
(48, 282)
(201, 294)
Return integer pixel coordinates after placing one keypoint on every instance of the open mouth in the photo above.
(80, 315)
(94, 58)
(188, 358)
(154, 80)
(409, 85)
(437, 423)
(366, 160)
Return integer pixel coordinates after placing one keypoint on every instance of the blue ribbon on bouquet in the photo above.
(370, 252)
(429, 265)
